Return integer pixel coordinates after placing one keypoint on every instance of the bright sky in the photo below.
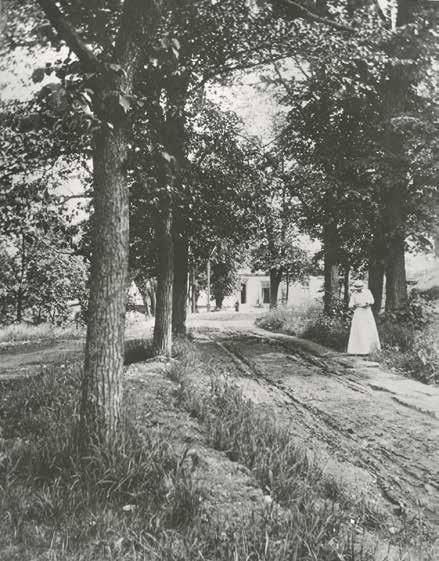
(16, 82)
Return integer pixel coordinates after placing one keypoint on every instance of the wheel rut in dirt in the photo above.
(389, 448)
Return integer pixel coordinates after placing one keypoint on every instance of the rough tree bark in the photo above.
(162, 337)
(346, 292)
(172, 135)
(395, 192)
(209, 284)
(195, 292)
(219, 299)
(396, 280)
(275, 280)
(376, 270)
(101, 387)
(104, 351)
(180, 289)
(331, 269)
(152, 291)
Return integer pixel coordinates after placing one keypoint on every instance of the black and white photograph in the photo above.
(219, 280)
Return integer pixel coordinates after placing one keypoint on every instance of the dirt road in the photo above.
(375, 430)
(372, 428)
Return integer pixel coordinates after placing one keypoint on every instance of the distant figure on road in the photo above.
(363, 338)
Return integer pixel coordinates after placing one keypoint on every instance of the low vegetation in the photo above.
(126, 504)
(23, 332)
(409, 340)
(142, 501)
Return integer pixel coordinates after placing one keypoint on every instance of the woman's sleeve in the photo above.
(370, 298)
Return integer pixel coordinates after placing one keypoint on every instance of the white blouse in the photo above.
(361, 298)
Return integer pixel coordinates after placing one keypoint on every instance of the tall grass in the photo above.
(18, 332)
(49, 494)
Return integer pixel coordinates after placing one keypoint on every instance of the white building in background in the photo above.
(253, 292)
(253, 289)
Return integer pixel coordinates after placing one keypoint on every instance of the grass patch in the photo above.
(20, 332)
(103, 506)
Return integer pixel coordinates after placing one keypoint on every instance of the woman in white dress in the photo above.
(363, 338)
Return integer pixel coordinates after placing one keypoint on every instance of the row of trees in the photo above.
(130, 95)
(360, 142)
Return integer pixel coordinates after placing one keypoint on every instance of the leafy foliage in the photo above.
(40, 273)
(340, 167)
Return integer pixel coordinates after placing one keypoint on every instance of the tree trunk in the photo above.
(376, 269)
(152, 295)
(376, 284)
(19, 314)
(181, 265)
(219, 302)
(275, 279)
(208, 285)
(331, 272)
(171, 133)
(346, 291)
(194, 293)
(395, 194)
(104, 350)
(20, 291)
(162, 338)
(394, 213)
(396, 281)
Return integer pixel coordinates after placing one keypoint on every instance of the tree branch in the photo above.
(300, 67)
(63, 199)
(282, 79)
(69, 34)
(312, 16)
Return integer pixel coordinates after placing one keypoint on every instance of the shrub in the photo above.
(409, 340)
(289, 320)
(311, 323)
(332, 332)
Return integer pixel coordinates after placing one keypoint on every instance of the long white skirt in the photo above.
(363, 338)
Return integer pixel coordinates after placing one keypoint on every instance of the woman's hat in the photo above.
(358, 284)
